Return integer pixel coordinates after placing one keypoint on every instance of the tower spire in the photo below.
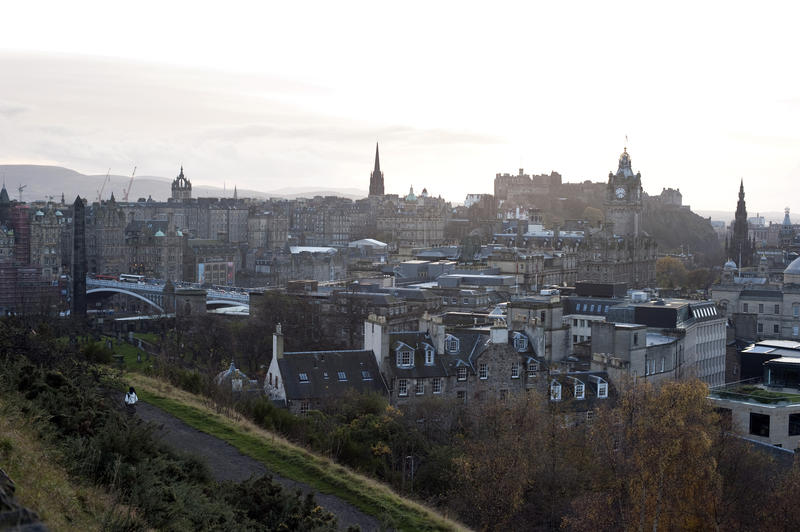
(376, 178)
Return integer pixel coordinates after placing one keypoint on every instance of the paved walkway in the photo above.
(226, 463)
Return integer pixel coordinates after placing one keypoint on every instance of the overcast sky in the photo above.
(295, 94)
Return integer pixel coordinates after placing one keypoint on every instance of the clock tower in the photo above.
(624, 198)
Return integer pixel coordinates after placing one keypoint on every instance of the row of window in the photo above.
(650, 366)
(483, 371)
(776, 328)
(760, 424)
(419, 386)
(775, 310)
(342, 376)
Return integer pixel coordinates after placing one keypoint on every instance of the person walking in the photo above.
(130, 401)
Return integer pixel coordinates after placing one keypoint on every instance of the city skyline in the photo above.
(452, 97)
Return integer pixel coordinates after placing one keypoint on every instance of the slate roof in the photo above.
(322, 370)
(417, 341)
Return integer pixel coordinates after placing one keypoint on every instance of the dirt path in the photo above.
(226, 463)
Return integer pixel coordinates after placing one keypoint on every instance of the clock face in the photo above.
(620, 193)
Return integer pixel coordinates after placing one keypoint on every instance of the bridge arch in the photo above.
(126, 292)
(225, 303)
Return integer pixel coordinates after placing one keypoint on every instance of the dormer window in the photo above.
(602, 386)
(533, 367)
(520, 342)
(429, 355)
(342, 376)
(451, 344)
(555, 391)
(405, 358)
(365, 375)
(580, 390)
(303, 377)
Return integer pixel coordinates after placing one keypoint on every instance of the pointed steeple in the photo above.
(376, 177)
(235, 193)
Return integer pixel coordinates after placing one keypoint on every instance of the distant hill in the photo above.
(42, 182)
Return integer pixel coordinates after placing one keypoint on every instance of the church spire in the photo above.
(376, 177)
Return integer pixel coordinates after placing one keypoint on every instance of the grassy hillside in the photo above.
(292, 461)
(43, 485)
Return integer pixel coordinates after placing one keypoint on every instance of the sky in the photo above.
(295, 94)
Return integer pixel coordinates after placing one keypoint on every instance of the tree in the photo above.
(670, 272)
(699, 279)
(594, 215)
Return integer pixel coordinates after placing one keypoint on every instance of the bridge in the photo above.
(152, 292)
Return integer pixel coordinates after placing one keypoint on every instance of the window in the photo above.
(533, 367)
(304, 407)
(761, 308)
(404, 358)
(602, 390)
(760, 327)
(647, 367)
(428, 356)
(759, 424)
(662, 364)
(776, 328)
(462, 373)
(580, 392)
(503, 395)
(543, 315)
(795, 330)
(520, 342)
(574, 338)
(589, 416)
(483, 371)
(777, 309)
(462, 396)
(325, 375)
(365, 376)
(342, 376)
(555, 391)
(303, 377)
(451, 344)
(437, 385)
(796, 310)
(574, 323)
(515, 370)
(402, 387)
(420, 387)
(635, 338)
(794, 424)
(744, 307)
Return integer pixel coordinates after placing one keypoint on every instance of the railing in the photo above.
(212, 293)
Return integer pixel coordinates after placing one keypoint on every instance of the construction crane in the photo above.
(102, 188)
(127, 191)
(20, 189)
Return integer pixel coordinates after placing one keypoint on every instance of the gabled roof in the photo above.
(417, 342)
(322, 370)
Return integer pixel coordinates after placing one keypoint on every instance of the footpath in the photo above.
(225, 462)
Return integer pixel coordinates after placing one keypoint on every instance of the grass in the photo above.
(44, 486)
(292, 461)
(153, 338)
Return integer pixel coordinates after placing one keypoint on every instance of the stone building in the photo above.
(775, 306)
(211, 261)
(661, 339)
(267, 230)
(181, 188)
(46, 228)
(105, 238)
(155, 249)
(621, 252)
